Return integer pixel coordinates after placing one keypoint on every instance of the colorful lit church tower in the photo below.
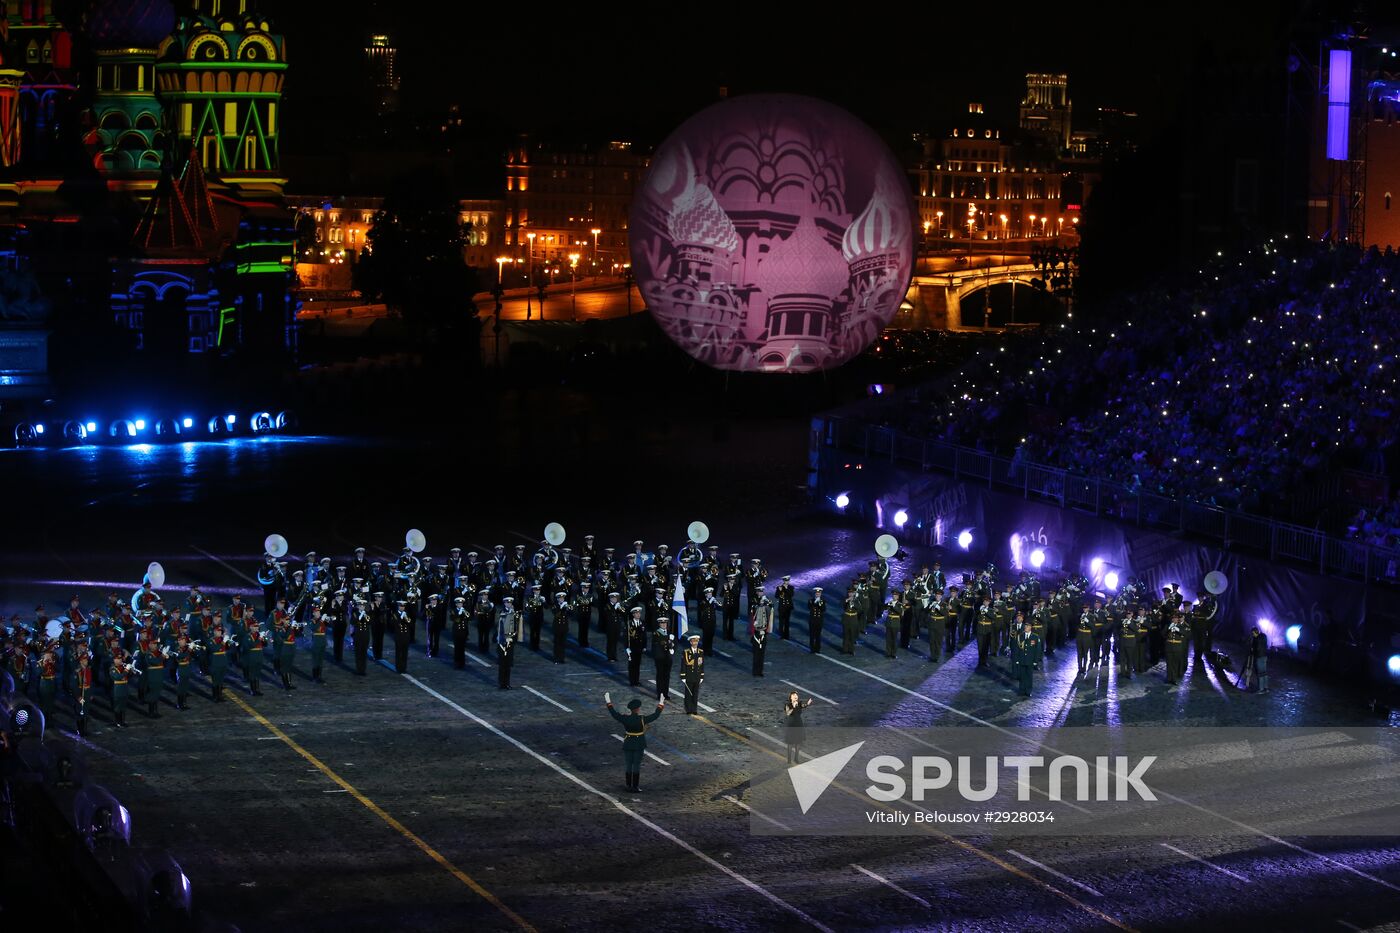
(166, 111)
(220, 73)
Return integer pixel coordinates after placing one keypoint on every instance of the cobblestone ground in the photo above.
(459, 806)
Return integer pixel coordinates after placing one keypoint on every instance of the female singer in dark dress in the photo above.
(793, 710)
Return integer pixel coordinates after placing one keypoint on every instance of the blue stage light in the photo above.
(1110, 580)
(965, 539)
(91, 426)
(188, 422)
(1394, 665)
(1096, 566)
(842, 500)
(901, 518)
(38, 429)
(1293, 633)
(230, 419)
(1038, 558)
(140, 424)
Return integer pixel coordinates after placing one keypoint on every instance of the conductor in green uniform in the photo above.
(634, 741)
(1027, 648)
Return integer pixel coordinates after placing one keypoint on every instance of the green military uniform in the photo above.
(634, 739)
(1038, 626)
(1026, 653)
(1002, 610)
(217, 649)
(251, 649)
(939, 617)
(1176, 651)
(319, 634)
(986, 627)
(850, 624)
(1084, 639)
(286, 637)
(1127, 646)
(184, 677)
(48, 685)
(894, 617)
(120, 675)
(153, 673)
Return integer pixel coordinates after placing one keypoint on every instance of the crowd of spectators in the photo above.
(1246, 388)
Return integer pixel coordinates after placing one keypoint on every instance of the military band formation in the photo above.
(135, 650)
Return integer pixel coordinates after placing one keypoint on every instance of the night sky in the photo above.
(595, 72)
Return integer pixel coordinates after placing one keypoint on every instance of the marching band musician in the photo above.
(939, 614)
(359, 634)
(48, 679)
(403, 634)
(986, 630)
(583, 609)
(82, 693)
(1084, 637)
(663, 648)
(636, 645)
(359, 565)
(534, 614)
(338, 616)
(786, 595)
(269, 578)
(850, 621)
(485, 613)
(709, 607)
(1127, 646)
(692, 672)
(319, 629)
(690, 560)
(378, 623)
(917, 599)
(184, 678)
(121, 672)
(218, 649)
(1175, 640)
(559, 624)
(816, 619)
(437, 620)
(754, 579)
(284, 633)
(298, 595)
(508, 630)
(614, 622)
(895, 611)
(251, 648)
(459, 620)
(760, 624)
(278, 623)
(1202, 617)
(153, 660)
(731, 602)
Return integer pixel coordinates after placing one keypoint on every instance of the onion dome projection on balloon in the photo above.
(773, 233)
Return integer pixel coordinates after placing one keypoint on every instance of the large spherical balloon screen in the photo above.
(773, 233)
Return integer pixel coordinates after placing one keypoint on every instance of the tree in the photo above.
(414, 261)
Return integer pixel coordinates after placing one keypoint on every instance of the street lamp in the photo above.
(573, 283)
(1042, 225)
(927, 224)
(595, 231)
(939, 215)
(530, 276)
(1059, 226)
(1003, 226)
(1032, 225)
(500, 265)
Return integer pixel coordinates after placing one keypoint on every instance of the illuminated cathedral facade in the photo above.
(170, 111)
